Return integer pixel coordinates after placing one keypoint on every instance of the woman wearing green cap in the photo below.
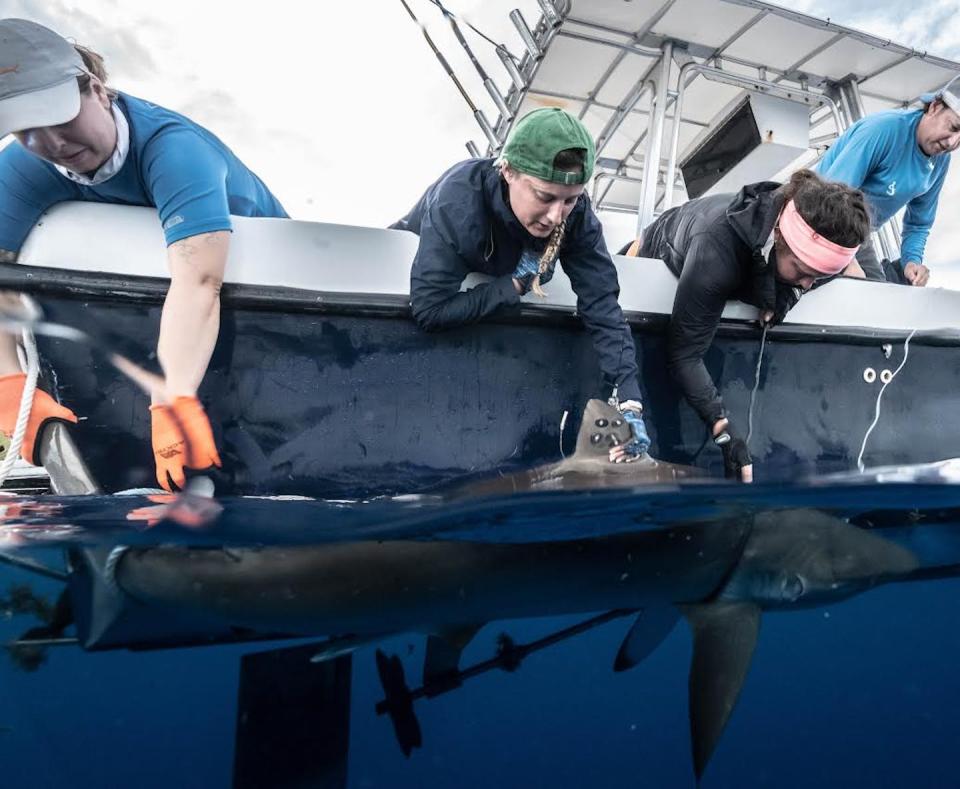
(513, 218)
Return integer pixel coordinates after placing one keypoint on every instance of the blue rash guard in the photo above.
(879, 154)
(465, 224)
(193, 179)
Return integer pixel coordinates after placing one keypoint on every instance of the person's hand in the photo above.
(194, 512)
(737, 463)
(45, 410)
(916, 274)
(182, 439)
(527, 269)
(640, 443)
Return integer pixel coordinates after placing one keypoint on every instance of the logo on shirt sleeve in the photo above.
(173, 221)
(892, 188)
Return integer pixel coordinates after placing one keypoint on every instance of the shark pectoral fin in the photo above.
(648, 631)
(724, 637)
(442, 662)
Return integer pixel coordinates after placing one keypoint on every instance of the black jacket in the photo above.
(715, 246)
(465, 224)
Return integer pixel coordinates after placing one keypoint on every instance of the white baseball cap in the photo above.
(949, 94)
(38, 77)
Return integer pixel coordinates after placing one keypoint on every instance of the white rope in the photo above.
(563, 424)
(876, 414)
(756, 385)
(26, 405)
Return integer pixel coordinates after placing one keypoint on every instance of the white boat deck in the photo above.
(340, 259)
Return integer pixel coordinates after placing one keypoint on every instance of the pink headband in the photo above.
(813, 249)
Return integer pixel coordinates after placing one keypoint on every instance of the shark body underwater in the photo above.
(718, 575)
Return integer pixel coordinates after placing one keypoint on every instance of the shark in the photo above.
(721, 575)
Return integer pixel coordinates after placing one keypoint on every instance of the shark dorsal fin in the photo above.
(601, 428)
(724, 637)
(650, 628)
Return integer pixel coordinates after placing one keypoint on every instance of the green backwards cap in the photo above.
(539, 136)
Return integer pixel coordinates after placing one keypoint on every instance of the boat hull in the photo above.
(339, 397)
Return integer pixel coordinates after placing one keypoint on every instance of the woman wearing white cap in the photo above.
(900, 158)
(80, 140)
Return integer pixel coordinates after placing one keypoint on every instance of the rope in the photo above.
(563, 424)
(876, 415)
(756, 385)
(26, 405)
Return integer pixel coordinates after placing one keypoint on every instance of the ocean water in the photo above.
(852, 681)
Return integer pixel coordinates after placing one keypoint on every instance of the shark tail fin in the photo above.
(724, 637)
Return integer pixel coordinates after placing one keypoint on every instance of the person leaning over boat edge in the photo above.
(514, 218)
(80, 140)
(899, 158)
(765, 246)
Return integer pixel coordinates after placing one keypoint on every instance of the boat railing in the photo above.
(840, 73)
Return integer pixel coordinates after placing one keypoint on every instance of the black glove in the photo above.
(735, 453)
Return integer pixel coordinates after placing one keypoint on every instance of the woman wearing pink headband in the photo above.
(764, 246)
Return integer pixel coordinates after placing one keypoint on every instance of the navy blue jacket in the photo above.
(465, 224)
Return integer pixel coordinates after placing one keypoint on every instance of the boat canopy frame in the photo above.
(656, 73)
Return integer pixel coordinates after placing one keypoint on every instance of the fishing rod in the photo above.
(510, 62)
(32, 320)
(478, 115)
(488, 83)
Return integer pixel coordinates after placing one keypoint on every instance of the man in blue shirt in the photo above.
(80, 140)
(900, 158)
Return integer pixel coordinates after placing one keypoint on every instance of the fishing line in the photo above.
(450, 15)
(478, 115)
(440, 57)
(756, 384)
(876, 415)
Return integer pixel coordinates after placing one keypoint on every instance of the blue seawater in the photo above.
(858, 689)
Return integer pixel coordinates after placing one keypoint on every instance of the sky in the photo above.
(341, 107)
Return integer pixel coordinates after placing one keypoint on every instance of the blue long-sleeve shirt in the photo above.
(880, 155)
(194, 180)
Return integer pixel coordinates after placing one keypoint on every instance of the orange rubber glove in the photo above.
(45, 409)
(182, 439)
